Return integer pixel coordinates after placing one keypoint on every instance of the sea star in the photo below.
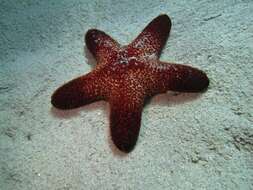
(125, 76)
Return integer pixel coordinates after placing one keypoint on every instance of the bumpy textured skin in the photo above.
(126, 75)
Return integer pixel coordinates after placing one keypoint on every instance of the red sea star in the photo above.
(125, 76)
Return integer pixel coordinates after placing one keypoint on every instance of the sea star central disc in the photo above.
(125, 76)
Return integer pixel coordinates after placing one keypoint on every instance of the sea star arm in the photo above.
(78, 92)
(125, 120)
(101, 45)
(178, 77)
(153, 38)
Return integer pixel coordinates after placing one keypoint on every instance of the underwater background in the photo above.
(187, 140)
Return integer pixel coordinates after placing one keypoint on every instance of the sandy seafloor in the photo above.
(187, 141)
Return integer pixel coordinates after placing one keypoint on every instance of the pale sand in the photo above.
(187, 141)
